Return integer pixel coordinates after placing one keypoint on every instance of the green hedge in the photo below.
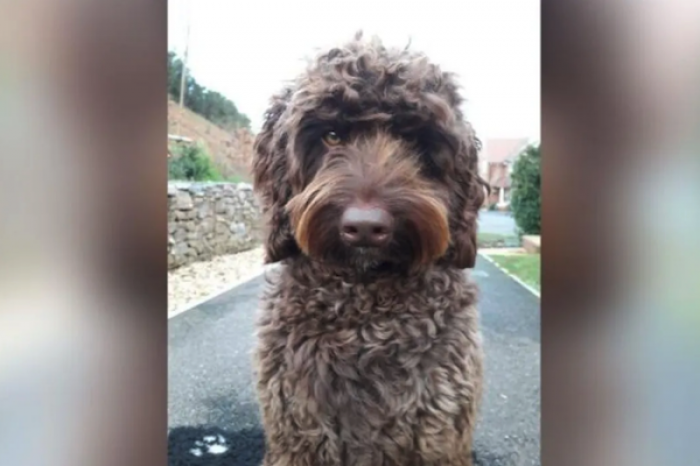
(191, 163)
(526, 199)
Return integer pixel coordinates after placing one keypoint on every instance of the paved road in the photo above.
(501, 223)
(213, 417)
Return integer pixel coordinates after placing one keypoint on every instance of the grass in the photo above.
(236, 178)
(487, 240)
(524, 266)
(492, 236)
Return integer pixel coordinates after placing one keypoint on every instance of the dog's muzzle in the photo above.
(363, 226)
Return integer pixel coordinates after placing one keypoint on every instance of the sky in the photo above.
(246, 50)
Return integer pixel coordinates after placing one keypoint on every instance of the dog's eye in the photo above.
(332, 139)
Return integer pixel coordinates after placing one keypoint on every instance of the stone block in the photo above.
(183, 201)
(531, 244)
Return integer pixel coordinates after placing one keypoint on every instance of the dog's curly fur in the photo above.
(370, 356)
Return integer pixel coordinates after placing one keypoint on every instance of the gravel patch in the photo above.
(193, 282)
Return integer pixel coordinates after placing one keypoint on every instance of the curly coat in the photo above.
(369, 356)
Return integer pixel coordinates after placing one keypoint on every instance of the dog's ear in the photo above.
(270, 175)
(470, 191)
(464, 243)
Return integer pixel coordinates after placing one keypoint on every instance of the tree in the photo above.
(210, 104)
(526, 199)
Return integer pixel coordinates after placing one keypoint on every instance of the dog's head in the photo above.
(366, 161)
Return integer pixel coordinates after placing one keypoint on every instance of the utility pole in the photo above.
(186, 54)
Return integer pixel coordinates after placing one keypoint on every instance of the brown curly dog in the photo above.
(368, 350)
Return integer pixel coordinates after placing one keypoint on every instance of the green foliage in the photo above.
(210, 104)
(191, 163)
(526, 199)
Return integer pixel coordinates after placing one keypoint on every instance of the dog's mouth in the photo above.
(368, 254)
(368, 259)
(402, 254)
(416, 237)
(332, 250)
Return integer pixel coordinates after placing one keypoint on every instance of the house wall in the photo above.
(493, 197)
(497, 174)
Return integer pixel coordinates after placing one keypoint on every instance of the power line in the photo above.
(186, 54)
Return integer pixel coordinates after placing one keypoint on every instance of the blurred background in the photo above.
(82, 179)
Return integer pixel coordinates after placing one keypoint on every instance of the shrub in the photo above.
(191, 163)
(526, 200)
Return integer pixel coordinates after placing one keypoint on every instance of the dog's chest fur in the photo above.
(348, 366)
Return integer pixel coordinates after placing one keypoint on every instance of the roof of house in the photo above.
(503, 150)
(497, 152)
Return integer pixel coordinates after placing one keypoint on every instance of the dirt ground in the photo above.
(231, 151)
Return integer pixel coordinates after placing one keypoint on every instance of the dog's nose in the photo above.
(366, 226)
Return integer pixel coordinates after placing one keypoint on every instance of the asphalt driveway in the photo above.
(500, 223)
(212, 412)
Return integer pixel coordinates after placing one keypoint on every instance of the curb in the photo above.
(525, 285)
(191, 305)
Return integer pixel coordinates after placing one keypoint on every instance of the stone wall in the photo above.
(210, 219)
